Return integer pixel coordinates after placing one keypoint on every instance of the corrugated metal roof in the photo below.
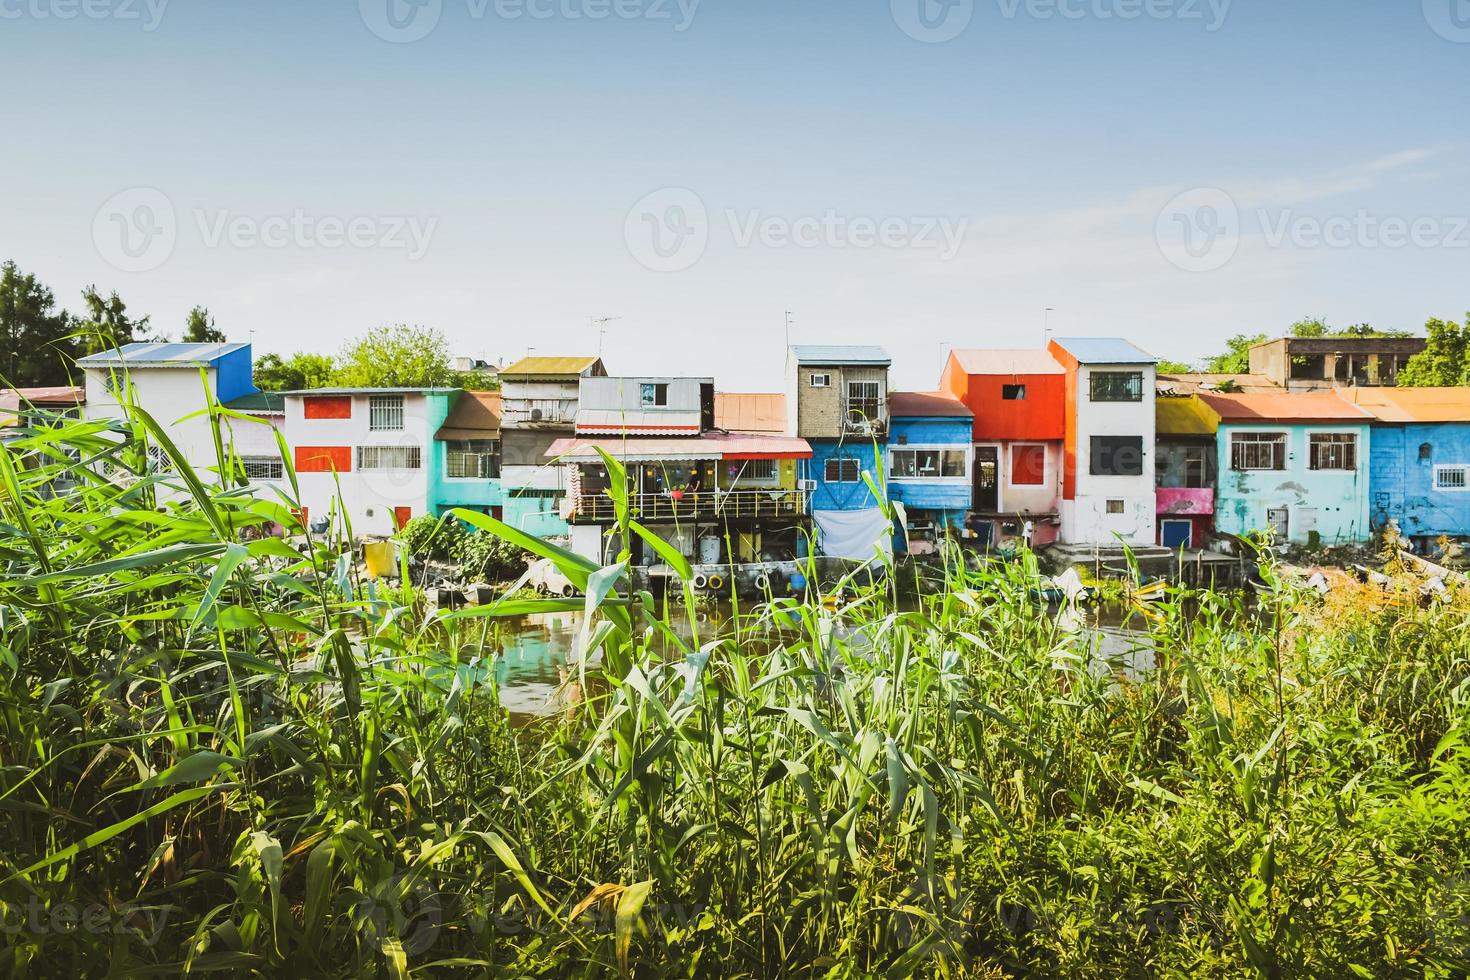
(844, 354)
(260, 403)
(550, 367)
(308, 392)
(475, 416)
(1104, 350)
(1189, 384)
(1185, 417)
(1294, 407)
(160, 355)
(1411, 404)
(758, 412)
(13, 401)
(656, 422)
(927, 405)
(1006, 362)
(711, 445)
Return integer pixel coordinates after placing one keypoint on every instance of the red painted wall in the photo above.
(1069, 440)
(323, 459)
(327, 407)
(1039, 418)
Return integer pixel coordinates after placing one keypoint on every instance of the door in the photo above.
(401, 516)
(1177, 534)
(987, 479)
(1278, 519)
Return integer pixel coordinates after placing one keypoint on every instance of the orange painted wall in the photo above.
(327, 407)
(1039, 418)
(1069, 441)
(323, 459)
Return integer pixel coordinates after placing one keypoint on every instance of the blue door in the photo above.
(1177, 534)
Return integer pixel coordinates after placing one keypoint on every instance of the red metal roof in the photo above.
(927, 404)
(1303, 406)
(711, 445)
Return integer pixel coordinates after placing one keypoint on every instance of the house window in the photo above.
(1426, 452)
(757, 471)
(263, 468)
(1452, 478)
(472, 459)
(1334, 451)
(1196, 470)
(821, 381)
(1116, 456)
(843, 470)
(1258, 451)
(113, 383)
(385, 413)
(159, 461)
(927, 464)
(1013, 393)
(1028, 466)
(1115, 506)
(1117, 386)
(655, 395)
(864, 401)
(389, 458)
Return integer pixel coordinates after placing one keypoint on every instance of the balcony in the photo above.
(1185, 501)
(717, 505)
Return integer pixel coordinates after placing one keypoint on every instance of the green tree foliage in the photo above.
(400, 356)
(36, 348)
(107, 324)
(1442, 363)
(1174, 367)
(1237, 356)
(201, 328)
(300, 371)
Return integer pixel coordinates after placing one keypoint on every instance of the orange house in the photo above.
(1018, 398)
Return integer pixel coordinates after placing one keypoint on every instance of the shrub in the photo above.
(485, 556)
(427, 538)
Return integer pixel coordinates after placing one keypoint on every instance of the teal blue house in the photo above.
(1295, 465)
(929, 455)
(464, 458)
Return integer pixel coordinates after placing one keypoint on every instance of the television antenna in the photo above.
(601, 324)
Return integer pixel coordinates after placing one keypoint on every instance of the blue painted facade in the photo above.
(1329, 506)
(836, 494)
(234, 374)
(945, 499)
(1402, 482)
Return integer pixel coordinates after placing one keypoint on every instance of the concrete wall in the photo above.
(1085, 516)
(1401, 481)
(167, 394)
(1334, 503)
(820, 412)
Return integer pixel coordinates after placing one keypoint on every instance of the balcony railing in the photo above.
(702, 505)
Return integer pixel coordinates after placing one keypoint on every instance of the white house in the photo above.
(1108, 490)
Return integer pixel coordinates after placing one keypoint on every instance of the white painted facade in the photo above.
(168, 394)
(1106, 507)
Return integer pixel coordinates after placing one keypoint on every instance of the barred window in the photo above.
(385, 413)
(864, 400)
(472, 459)
(1334, 451)
(843, 471)
(389, 458)
(757, 470)
(1258, 451)
(159, 461)
(1117, 386)
(1452, 478)
(263, 468)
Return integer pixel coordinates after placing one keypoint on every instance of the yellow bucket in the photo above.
(381, 558)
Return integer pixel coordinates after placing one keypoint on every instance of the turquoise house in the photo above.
(464, 457)
(1295, 465)
(928, 461)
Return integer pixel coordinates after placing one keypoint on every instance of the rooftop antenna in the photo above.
(1046, 325)
(601, 324)
(788, 328)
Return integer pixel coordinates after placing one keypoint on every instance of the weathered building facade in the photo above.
(539, 402)
(929, 455)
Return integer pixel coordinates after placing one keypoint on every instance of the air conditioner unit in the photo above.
(807, 485)
(537, 415)
(863, 427)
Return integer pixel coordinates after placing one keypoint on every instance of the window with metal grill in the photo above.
(472, 459)
(843, 471)
(263, 468)
(1258, 451)
(389, 458)
(864, 401)
(1452, 478)
(385, 413)
(1334, 451)
(1116, 386)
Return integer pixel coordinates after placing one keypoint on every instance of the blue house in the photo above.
(928, 464)
(1419, 466)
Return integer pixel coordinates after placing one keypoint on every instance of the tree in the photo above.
(1442, 362)
(397, 357)
(1311, 327)
(1174, 367)
(107, 324)
(36, 348)
(201, 330)
(1237, 357)
(298, 372)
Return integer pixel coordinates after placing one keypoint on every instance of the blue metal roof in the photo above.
(1104, 350)
(845, 354)
(161, 355)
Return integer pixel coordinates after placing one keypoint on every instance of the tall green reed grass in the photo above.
(239, 756)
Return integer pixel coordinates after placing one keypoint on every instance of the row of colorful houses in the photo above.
(1080, 443)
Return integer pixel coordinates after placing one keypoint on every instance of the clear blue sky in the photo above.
(1056, 136)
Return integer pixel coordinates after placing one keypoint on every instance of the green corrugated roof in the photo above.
(264, 402)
